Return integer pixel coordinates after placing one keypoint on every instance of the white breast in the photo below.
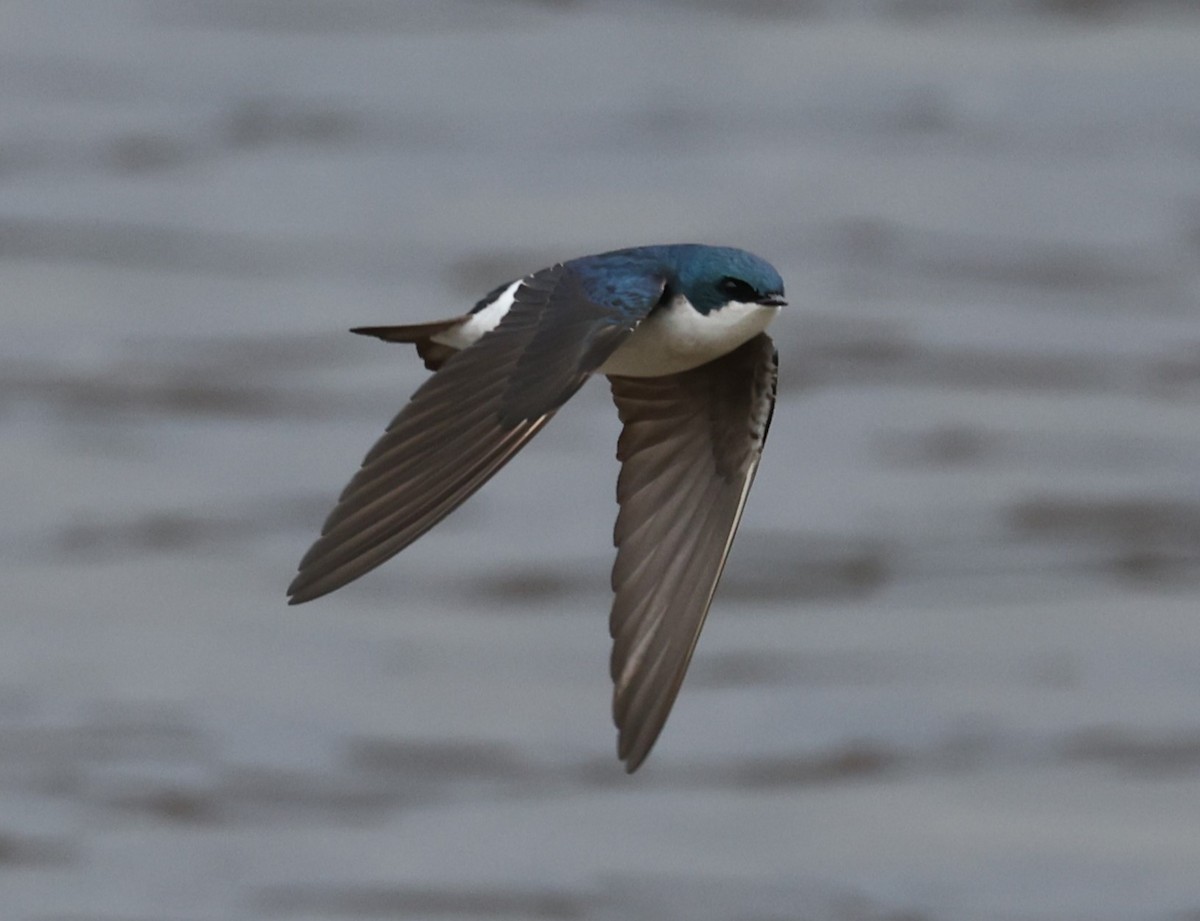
(674, 338)
(678, 337)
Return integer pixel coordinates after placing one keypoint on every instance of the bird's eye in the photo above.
(737, 290)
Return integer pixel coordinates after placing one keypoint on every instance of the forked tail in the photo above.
(434, 354)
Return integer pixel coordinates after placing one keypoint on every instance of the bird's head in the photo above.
(711, 277)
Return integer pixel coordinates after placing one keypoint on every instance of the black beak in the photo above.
(772, 300)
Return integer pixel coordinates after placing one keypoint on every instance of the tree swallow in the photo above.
(679, 332)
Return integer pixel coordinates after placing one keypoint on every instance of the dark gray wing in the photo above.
(466, 422)
(688, 451)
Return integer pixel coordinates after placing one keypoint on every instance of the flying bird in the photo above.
(679, 332)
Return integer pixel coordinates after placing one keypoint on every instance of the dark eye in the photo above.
(737, 290)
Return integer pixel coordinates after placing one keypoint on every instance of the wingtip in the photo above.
(301, 591)
(632, 754)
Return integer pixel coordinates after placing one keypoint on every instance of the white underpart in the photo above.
(467, 332)
(674, 338)
(678, 337)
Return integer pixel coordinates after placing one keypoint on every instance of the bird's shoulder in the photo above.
(625, 281)
(621, 281)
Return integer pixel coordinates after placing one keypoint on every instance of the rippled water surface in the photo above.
(953, 671)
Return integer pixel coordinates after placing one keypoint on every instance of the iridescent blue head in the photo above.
(712, 276)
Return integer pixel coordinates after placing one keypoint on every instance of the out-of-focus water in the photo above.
(954, 668)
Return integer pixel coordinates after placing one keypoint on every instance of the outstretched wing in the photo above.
(689, 449)
(469, 419)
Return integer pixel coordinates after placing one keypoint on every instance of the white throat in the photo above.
(677, 337)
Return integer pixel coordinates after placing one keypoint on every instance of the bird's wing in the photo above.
(469, 419)
(689, 449)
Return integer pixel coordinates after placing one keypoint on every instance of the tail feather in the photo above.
(434, 354)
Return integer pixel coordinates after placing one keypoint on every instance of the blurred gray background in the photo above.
(954, 668)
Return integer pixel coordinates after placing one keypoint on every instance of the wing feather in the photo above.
(466, 421)
(689, 449)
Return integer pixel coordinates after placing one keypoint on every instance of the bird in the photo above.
(679, 331)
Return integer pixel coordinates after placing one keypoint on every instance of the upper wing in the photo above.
(689, 449)
(467, 421)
